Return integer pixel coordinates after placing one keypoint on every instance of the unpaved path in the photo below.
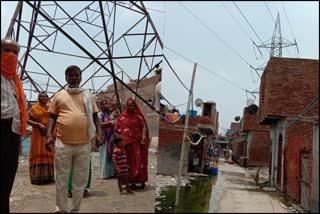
(104, 194)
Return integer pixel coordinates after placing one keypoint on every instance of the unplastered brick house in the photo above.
(289, 105)
(171, 137)
(256, 143)
(234, 137)
(146, 89)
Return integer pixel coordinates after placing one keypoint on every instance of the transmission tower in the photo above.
(108, 40)
(277, 41)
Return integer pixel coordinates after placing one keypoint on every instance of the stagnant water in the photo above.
(201, 195)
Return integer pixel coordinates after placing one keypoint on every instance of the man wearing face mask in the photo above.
(74, 111)
(13, 119)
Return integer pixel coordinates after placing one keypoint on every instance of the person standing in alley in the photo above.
(132, 125)
(107, 169)
(13, 119)
(230, 156)
(41, 162)
(74, 112)
(119, 159)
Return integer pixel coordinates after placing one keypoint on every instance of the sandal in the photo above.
(86, 193)
(143, 185)
(133, 186)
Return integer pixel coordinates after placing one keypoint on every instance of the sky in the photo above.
(210, 36)
(219, 37)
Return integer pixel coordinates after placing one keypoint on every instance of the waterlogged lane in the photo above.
(196, 196)
(216, 193)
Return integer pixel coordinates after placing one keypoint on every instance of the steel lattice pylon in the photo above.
(106, 39)
(277, 41)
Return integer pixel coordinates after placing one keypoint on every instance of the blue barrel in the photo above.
(214, 170)
(193, 113)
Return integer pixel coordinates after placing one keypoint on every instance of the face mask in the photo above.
(9, 63)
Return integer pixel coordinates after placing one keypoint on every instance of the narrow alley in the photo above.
(233, 190)
(239, 194)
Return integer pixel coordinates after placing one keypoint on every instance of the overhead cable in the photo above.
(269, 12)
(205, 68)
(247, 22)
(206, 26)
(290, 28)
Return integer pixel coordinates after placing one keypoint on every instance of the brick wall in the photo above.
(287, 86)
(235, 126)
(146, 90)
(169, 144)
(259, 148)
(237, 148)
(260, 135)
(233, 135)
(251, 122)
(299, 137)
(170, 133)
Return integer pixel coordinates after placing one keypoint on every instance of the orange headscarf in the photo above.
(9, 63)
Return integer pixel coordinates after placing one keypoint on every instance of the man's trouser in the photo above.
(65, 154)
(9, 156)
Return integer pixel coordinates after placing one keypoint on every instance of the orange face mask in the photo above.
(9, 63)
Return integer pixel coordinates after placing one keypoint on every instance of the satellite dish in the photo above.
(198, 102)
(252, 109)
(237, 118)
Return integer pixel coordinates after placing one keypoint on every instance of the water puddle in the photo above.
(200, 195)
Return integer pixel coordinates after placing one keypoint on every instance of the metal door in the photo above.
(304, 182)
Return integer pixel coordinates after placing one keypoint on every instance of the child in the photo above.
(115, 111)
(119, 159)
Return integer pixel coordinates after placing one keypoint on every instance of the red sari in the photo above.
(131, 126)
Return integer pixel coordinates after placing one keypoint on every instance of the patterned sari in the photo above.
(131, 126)
(107, 168)
(41, 162)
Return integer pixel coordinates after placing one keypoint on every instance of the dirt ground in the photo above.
(104, 194)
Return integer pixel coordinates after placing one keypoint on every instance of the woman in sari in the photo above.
(107, 168)
(41, 162)
(132, 125)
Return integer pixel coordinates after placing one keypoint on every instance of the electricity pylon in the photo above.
(108, 40)
(277, 41)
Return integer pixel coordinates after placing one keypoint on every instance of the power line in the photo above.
(247, 21)
(306, 110)
(243, 30)
(179, 54)
(290, 27)
(221, 77)
(269, 12)
(175, 73)
(175, 106)
(205, 68)
(273, 20)
(236, 20)
(206, 26)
